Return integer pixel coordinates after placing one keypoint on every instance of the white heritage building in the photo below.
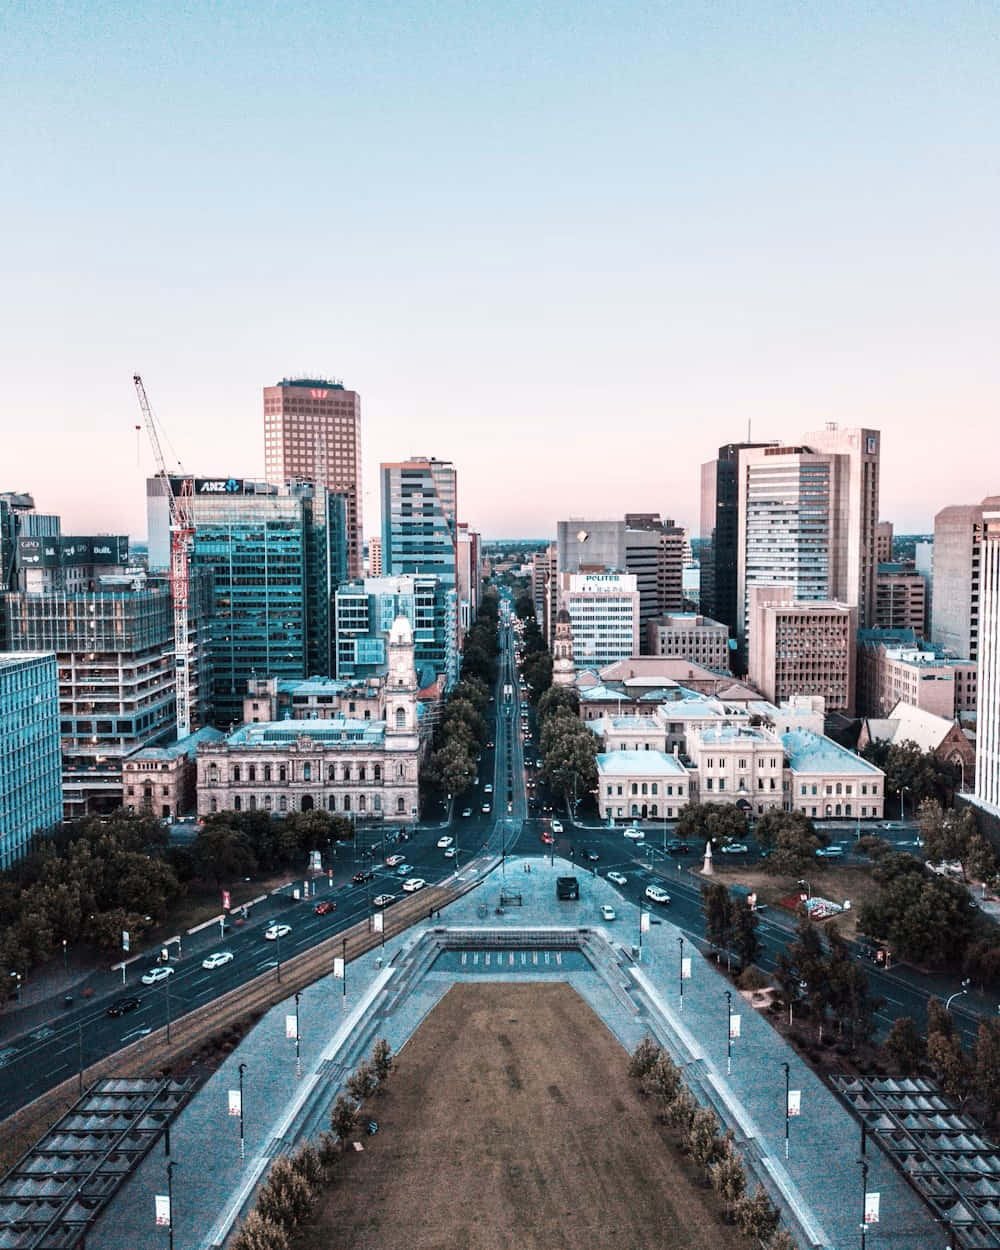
(362, 769)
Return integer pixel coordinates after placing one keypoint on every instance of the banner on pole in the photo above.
(338, 967)
(686, 968)
(644, 922)
(734, 1026)
(377, 923)
(235, 1103)
(794, 1102)
(290, 1030)
(871, 1208)
(226, 903)
(162, 1211)
(126, 940)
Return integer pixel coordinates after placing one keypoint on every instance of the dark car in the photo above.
(592, 857)
(324, 908)
(360, 878)
(122, 1005)
(678, 847)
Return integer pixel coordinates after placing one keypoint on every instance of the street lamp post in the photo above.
(808, 888)
(298, 1053)
(864, 1200)
(958, 993)
(902, 791)
(343, 956)
(65, 958)
(277, 943)
(243, 1152)
(785, 1066)
(79, 1084)
(170, 1202)
(166, 985)
(680, 942)
(729, 1032)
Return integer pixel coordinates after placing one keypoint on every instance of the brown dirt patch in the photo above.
(836, 882)
(510, 1121)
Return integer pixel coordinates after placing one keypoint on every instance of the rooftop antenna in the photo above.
(748, 430)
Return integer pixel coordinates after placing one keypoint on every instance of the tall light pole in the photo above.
(298, 1053)
(785, 1066)
(243, 1153)
(864, 1200)
(277, 941)
(958, 993)
(729, 1032)
(680, 942)
(167, 987)
(79, 1084)
(170, 1201)
(902, 791)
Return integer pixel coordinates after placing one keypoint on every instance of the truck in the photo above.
(567, 888)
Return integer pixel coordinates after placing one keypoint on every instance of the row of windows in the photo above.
(640, 788)
(304, 772)
(351, 804)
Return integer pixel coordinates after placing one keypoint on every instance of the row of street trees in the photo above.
(287, 1197)
(730, 924)
(569, 749)
(714, 1154)
(828, 984)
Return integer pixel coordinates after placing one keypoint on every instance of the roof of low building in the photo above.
(337, 731)
(185, 748)
(721, 735)
(808, 752)
(647, 763)
(915, 724)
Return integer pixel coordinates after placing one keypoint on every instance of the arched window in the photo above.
(237, 804)
(267, 802)
(361, 772)
(378, 772)
(644, 789)
(839, 788)
(635, 788)
(213, 772)
(267, 772)
(401, 805)
(331, 803)
(214, 805)
(347, 802)
(400, 718)
(252, 772)
(253, 802)
(236, 772)
(652, 810)
(307, 772)
(361, 803)
(378, 802)
(282, 803)
(347, 772)
(330, 773)
(282, 773)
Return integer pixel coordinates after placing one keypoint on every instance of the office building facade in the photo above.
(364, 613)
(894, 667)
(802, 648)
(312, 433)
(689, 636)
(900, 598)
(987, 790)
(604, 611)
(959, 533)
(420, 518)
(30, 756)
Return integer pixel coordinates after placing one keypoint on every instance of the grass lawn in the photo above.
(828, 879)
(510, 1121)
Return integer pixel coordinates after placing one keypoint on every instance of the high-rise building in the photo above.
(117, 674)
(957, 577)
(18, 519)
(883, 542)
(312, 432)
(689, 636)
(801, 648)
(364, 614)
(467, 573)
(720, 497)
(545, 588)
(604, 616)
(276, 556)
(374, 556)
(987, 790)
(30, 759)
(900, 598)
(807, 517)
(420, 518)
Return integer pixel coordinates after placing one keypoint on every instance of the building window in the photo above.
(347, 772)
(330, 773)
(253, 802)
(652, 810)
(378, 772)
(361, 772)
(378, 802)
(708, 783)
(654, 788)
(252, 772)
(236, 772)
(213, 773)
(362, 803)
(214, 805)
(267, 802)
(237, 804)
(282, 803)
(722, 783)
(347, 802)
(331, 803)
(282, 774)
(267, 772)
(307, 772)
(400, 718)
(401, 805)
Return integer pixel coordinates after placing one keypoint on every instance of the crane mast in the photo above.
(181, 535)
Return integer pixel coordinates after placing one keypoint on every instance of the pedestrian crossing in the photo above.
(507, 961)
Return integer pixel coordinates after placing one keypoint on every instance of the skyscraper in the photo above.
(958, 550)
(420, 518)
(312, 432)
(30, 759)
(807, 517)
(988, 710)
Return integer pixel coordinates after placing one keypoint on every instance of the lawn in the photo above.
(510, 1121)
(828, 879)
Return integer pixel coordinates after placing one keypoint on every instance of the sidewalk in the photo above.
(389, 992)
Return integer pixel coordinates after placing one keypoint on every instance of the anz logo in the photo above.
(219, 486)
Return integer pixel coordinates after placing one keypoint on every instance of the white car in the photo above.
(156, 974)
(392, 860)
(734, 848)
(557, 826)
(618, 878)
(217, 960)
(487, 789)
(383, 900)
(414, 884)
(636, 835)
(607, 913)
(451, 852)
(277, 931)
(443, 842)
(657, 895)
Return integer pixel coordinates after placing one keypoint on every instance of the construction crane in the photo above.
(181, 535)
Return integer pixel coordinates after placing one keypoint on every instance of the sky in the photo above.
(572, 247)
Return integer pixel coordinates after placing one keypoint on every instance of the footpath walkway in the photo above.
(821, 1177)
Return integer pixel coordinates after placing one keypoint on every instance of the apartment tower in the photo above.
(312, 433)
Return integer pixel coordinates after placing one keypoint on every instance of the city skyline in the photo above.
(515, 240)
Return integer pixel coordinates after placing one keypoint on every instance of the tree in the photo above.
(524, 607)
(775, 821)
(221, 853)
(558, 699)
(756, 1216)
(728, 1180)
(986, 1065)
(978, 860)
(362, 1082)
(743, 929)
(664, 1081)
(681, 1111)
(344, 1118)
(939, 1018)
(383, 1060)
(454, 766)
(715, 821)
(793, 852)
(924, 917)
(951, 1067)
(642, 1059)
(718, 916)
(537, 671)
(569, 757)
(703, 1137)
(782, 1240)
(286, 1196)
(903, 1048)
(260, 1233)
(849, 993)
(308, 1162)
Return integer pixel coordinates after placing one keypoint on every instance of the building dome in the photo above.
(401, 634)
(563, 617)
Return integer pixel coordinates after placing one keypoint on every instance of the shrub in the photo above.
(728, 1179)
(308, 1162)
(362, 1082)
(383, 1060)
(259, 1233)
(756, 1217)
(343, 1118)
(642, 1059)
(751, 978)
(286, 1196)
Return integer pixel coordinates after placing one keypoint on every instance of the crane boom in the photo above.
(181, 534)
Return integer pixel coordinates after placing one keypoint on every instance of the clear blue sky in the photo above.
(571, 246)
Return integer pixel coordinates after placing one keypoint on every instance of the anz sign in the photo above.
(218, 486)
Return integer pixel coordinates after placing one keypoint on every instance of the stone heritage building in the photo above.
(366, 770)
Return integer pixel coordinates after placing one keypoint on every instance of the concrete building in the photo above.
(161, 781)
(945, 738)
(802, 648)
(316, 698)
(604, 610)
(890, 673)
(826, 781)
(468, 581)
(312, 433)
(883, 542)
(738, 764)
(900, 598)
(374, 557)
(116, 675)
(959, 533)
(545, 590)
(690, 636)
(30, 758)
(365, 770)
(641, 785)
(275, 555)
(987, 792)
(720, 497)
(365, 611)
(807, 517)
